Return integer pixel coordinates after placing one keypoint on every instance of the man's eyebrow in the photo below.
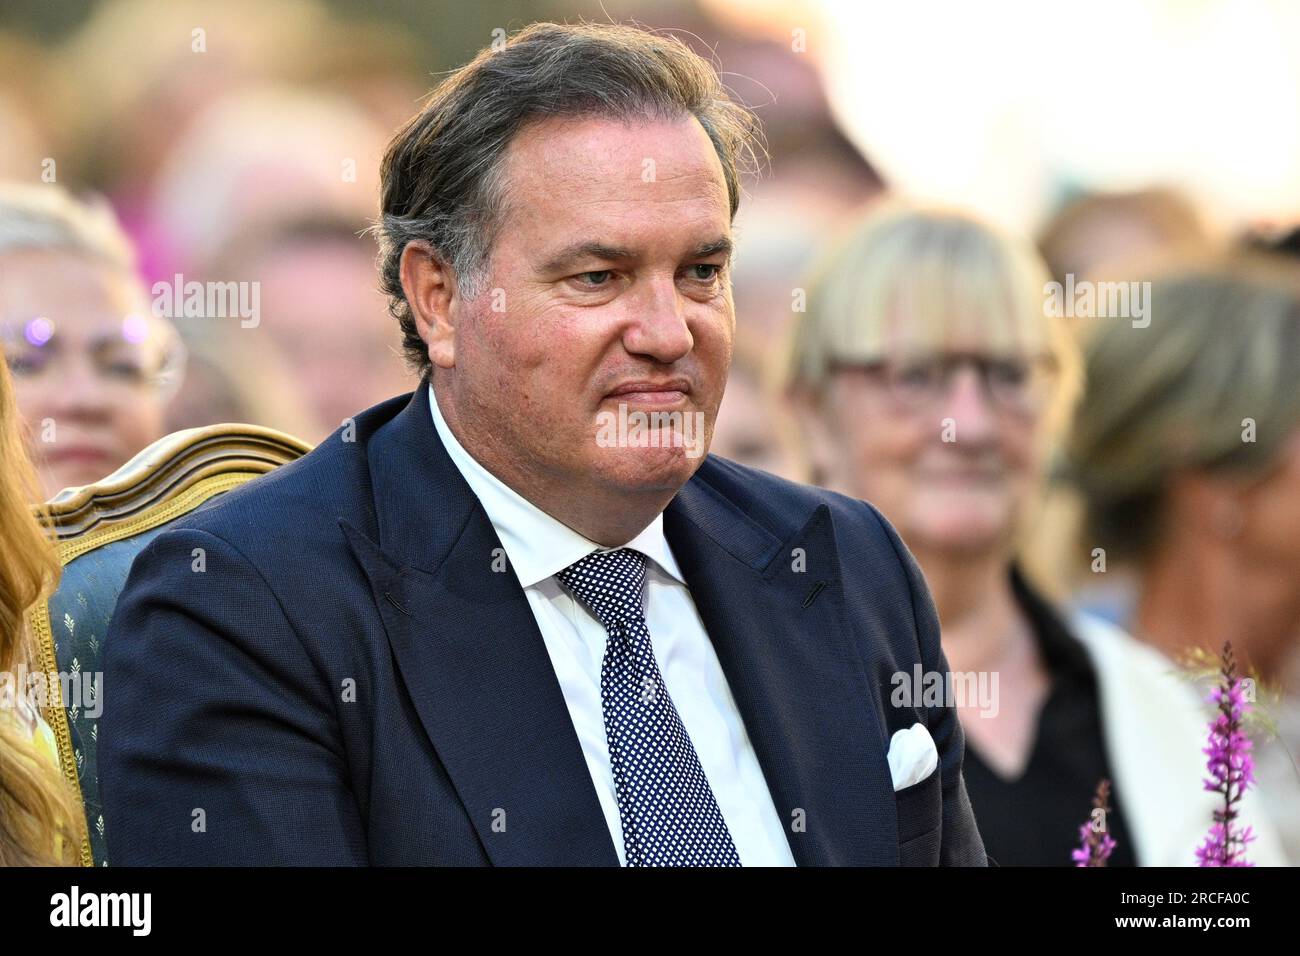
(589, 249)
(720, 245)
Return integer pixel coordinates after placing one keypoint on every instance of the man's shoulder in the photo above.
(299, 503)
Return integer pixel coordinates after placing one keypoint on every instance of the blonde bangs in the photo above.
(911, 281)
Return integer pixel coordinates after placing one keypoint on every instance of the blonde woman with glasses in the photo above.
(932, 381)
(93, 367)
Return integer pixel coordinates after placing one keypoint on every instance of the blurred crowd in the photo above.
(1082, 479)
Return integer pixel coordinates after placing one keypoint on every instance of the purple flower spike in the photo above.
(1096, 843)
(1231, 769)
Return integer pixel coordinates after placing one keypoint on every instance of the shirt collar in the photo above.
(537, 544)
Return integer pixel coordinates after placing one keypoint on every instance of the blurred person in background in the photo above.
(129, 83)
(322, 315)
(784, 225)
(754, 426)
(1097, 230)
(269, 188)
(231, 376)
(1186, 454)
(260, 157)
(22, 133)
(93, 368)
(39, 813)
(931, 382)
(818, 178)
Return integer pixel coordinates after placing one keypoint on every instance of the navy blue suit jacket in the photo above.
(348, 681)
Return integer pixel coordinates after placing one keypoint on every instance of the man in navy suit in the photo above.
(518, 616)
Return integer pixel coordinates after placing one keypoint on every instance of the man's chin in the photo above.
(648, 469)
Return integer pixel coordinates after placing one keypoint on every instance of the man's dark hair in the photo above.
(442, 178)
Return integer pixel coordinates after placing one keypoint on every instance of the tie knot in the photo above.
(610, 584)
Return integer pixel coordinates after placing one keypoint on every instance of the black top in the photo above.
(1034, 820)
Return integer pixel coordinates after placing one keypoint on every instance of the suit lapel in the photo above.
(476, 667)
(472, 658)
(774, 612)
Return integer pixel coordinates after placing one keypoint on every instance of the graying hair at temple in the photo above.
(442, 175)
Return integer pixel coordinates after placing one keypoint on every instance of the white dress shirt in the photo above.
(538, 547)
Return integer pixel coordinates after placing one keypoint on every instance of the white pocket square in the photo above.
(912, 756)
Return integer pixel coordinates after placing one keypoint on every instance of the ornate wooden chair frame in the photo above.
(168, 479)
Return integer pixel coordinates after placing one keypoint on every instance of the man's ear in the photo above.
(430, 287)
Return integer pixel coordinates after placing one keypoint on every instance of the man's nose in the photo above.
(968, 404)
(659, 329)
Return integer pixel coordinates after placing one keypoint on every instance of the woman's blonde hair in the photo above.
(40, 816)
(51, 219)
(909, 279)
(1212, 384)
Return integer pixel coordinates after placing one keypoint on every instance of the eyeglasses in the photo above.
(1014, 385)
(136, 354)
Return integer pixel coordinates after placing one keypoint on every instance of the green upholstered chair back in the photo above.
(100, 528)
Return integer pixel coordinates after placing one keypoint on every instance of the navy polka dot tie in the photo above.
(666, 807)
